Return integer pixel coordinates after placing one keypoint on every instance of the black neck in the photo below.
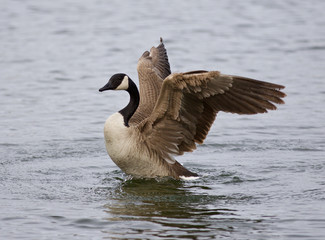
(129, 110)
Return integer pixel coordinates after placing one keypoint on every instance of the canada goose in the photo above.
(179, 117)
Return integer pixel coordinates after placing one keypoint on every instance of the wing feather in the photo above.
(152, 68)
(160, 60)
(189, 102)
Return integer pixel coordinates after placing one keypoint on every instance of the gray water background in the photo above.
(262, 176)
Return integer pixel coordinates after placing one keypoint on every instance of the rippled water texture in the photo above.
(262, 177)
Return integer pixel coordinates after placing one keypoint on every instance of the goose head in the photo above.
(121, 81)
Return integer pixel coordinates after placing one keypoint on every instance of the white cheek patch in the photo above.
(124, 84)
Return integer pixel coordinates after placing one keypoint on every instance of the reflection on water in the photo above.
(169, 208)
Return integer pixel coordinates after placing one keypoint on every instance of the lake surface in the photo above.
(262, 176)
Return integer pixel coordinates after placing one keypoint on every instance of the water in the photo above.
(262, 177)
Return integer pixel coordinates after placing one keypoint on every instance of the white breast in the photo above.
(116, 133)
(123, 145)
(114, 127)
(120, 143)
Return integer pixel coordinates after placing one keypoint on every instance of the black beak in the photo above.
(106, 87)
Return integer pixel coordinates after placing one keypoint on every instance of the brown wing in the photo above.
(188, 104)
(152, 68)
(160, 60)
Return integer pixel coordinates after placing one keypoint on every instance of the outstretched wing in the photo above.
(152, 68)
(160, 60)
(188, 104)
